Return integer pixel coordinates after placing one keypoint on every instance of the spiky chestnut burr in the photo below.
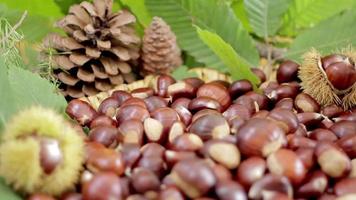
(330, 79)
(40, 153)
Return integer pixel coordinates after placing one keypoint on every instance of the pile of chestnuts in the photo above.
(193, 140)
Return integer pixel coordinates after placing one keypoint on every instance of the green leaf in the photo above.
(328, 36)
(266, 15)
(239, 9)
(183, 72)
(138, 8)
(306, 13)
(65, 4)
(209, 14)
(238, 67)
(6, 101)
(6, 192)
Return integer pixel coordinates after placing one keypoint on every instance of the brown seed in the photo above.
(230, 190)
(204, 112)
(163, 81)
(332, 58)
(184, 114)
(222, 174)
(72, 196)
(271, 195)
(248, 102)
(134, 101)
(103, 120)
(285, 118)
(283, 91)
(217, 92)
(322, 134)
(167, 116)
(259, 73)
(181, 89)
(109, 106)
(260, 137)
(251, 170)
(105, 135)
(81, 111)
(305, 103)
(348, 145)
(286, 163)
(235, 124)
(50, 154)
(239, 88)
(130, 154)
(287, 71)
(131, 131)
(195, 82)
(104, 185)
(345, 186)
(273, 183)
(136, 197)
(144, 180)
(353, 168)
(153, 130)
(347, 116)
(154, 102)
(125, 187)
(153, 163)
(152, 149)
(332, 111)
(309, 119)
(187, 142)
(177, 129)
(170, 193)
(181, 102)
(285, 103)
(301, 130)
(142, 93)
(172, 157)
(261, 99)
(100, 159)
(121, 96)
(307, 156)
(295, 142)
(344, 128)
(332, 160)
(201, 103)
(40, 197)
(314, 186)
(194, 177)
(237, 110)
(131, 112)
(224, 153)
(210, 126)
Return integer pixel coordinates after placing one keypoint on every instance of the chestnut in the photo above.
(210, 126)
(344, 128)
(163, 81)
(260, 137)
(217, 92)
(131, 131)
(170, 193)
(72, 196)
(285, 103)
(130, 154)
(342, 75)
(248, 102)
(102, 120)
(172, 157)
(296, 141)
(144, 180)
(251, 170)
(322, 134)
(166, 116)
(273, 183)
(332, 58)
(108, 106)
(177, 129)
(40, 197)
(154, 163)
(260, 74)
(226, 84)
(224, 153)
(314, 186)
(184, 102)
(286, 163)
(152, 149)
(105, 135)
(153, 130)
(283, 91)
(195, 82)
(222, 174)
(200, 103)
(121, 96)
(130, 112)
(309, 119)
(303, 102)
(204, 112)
(347, 116)
(237, 110)
(187, 142)
(285, 118)
(239, 88)
(181, 89)
(154, 102)
(104, 185)
(134, 101)
(230, 190)
(332, 110)
(306, 155)
(194, 177)
(81, 111)
(142, 93)
(287, 71)
(345, 186)
(261, 99)
(348, 144)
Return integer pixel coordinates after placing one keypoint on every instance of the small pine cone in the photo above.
(100, 50)
(161, 53)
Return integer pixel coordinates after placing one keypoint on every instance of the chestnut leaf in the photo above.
(6, 192)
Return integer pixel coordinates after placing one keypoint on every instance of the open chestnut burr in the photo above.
(194, 140)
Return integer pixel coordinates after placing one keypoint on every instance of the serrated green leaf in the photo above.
(139, 9)
(209, 14)
(6, 193)
(183, 72)
(31, 89)
(306, 13)
(239, 9)
(328, 36)
(238, 67)
(265, 16)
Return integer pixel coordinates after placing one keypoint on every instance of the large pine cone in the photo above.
(100, 51)
(161, 53)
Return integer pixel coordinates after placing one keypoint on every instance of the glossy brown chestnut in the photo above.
(217, 92)
(130, 154)
(204, 112)
(228, 190)
(260, 137)
(163, 81)
(109, 106)
(222, 174)
(251, 170)
(187, 142)
(332, 160)
(322, 134)
(167, 116)
(154, 102)
(106, 135)
(210, 126)
(235, 124)
(153, 130)
(248, 102)
(81, 111)
(239, 88)
(344, 128)
(237, 110)
(170, 193)
(103, 120)
(201, 103)
(286, 119)
(285, 103)
(310, 119)
(172, 157)
(134, 101)
(142, 93)
(342, 75)
(40, 197)
(306, 155)
(345, 186)
(177, 129)
(50, 154)
(181, 89)
(260, 74)
(224, 153)
(131, 131)
(121, 96)
(331, 111)
(144, 180)
(273, 183)
(303, 102)
(286, 163)
(332, 58)
(314, 186)
(296, 141)
(287, 71)
(348, 145)
(261, 99)
(195, 82)
(194, 177)
(104, 185)
(154, 163)
(131, 112)
(152, 149)
(72, 196)
(283, 91)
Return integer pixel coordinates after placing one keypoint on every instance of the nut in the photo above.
(345, 186)
(144, 180)
(286, 119)
(344, 128)
(195, 82)
(181, 102)
(307, 156)
(167, 116)
(153, 130)
(103, 120)
(152, 149)
(154, 102)
(295, 142)
(181, 89)
(104, 185)
(224, 153)
(222, 174)
(283, 91)
(261, 99)
(322, 134)
(130, 154)
(301, 131)
(217, 92)
(142, 93)
(121, 96)
(184, 114)
(230, 190)
(273, 183)
(81, 111)
(177, 129)
(285, 103)
(305, 103)
(248, 102)
(315, 185)
(170, 193)
(287, 71)
(172, 157)
(226, 84)
(332, 160)
(259, 73)
(105, 135)
(153, 163)
(50, 154)
(109, 106)
(331, 111)
(261, 114)
(130, 112)
(309, 119)
(72, 196)
(125, 187)
(260, 137)
(341, 75)
(187, 142)
(348, 145)
(353, 168)
(204, 112)
(250, 170)
(235, 124)
(100, 159)
(200, 103)
(134, 101)
(210, 126)
(286, 163)
(347, 116)
(163, 81)
(131, 131)
(237, 110)
(194, 177)
(271, 195)
(330, 59)
(239, 88)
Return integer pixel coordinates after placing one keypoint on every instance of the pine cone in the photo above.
(100, 51)
(161, 53)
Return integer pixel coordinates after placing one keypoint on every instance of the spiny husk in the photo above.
(20, 152)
